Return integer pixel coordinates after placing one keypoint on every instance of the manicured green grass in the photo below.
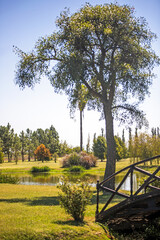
(26, 166)
(33, 212)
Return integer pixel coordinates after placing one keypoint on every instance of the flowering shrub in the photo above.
(74, 198)
(79, 159)
(87, 160)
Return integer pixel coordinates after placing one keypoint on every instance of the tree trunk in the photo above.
(8, 154)
(22, 155)
(111, 147)
(81, 132)
(29, 156)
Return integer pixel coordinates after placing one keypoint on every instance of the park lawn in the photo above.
(33, 212)
(56, 167)
(26, 165)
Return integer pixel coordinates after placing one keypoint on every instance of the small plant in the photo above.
(74, 198)
(5, 178)
(40, 169)
(76, 169)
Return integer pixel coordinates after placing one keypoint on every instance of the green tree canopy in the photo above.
(121, 149)
(100, 147)
(7, 135)
(107, 49)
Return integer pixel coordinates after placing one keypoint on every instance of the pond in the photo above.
(54, 179)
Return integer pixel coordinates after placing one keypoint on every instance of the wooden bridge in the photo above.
(139, 206)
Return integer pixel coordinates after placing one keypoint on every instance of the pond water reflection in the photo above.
(54, 179)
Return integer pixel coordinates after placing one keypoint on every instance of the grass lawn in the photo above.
(30, 212)
(56, 167)
(33, 212)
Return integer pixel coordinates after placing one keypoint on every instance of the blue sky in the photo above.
(22, 22)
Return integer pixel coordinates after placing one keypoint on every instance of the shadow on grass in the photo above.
(148, 166)
(103, 198)
(70, 222)
(42, 201)
(15, 200)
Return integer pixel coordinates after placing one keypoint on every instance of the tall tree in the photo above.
(79, 98)
(1, 151)
(16, 147)
(100, 147)
(30, 147)
(53, 139)
(123, 136)
(107, 49)
(23, 144)
(7, 134)
(121, 149)
(88, 144)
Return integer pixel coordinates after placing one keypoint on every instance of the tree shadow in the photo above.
(70, 222)
(103, 198)
(15, 200)
(42, 201)
(148, 166)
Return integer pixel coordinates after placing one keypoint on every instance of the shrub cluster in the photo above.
(79, 159)
(76, 169)
(74, 197)
(5, 178)
(40, 169)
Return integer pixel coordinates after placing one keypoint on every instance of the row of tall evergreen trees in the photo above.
(139, 145)
(14, 145)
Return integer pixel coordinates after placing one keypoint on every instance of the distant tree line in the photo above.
(13, 145)
(100, 148)
(27, 143)
(138, 147)
(144, 145)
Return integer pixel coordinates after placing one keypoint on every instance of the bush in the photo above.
(82, 159)
(87, 160)
(5, 178)
(76, 169)
(74, 198)
(40, 169)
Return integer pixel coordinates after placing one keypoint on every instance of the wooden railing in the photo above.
(131, 168)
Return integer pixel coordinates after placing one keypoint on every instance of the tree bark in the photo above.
(111, 147)
(81, 132)
(22, 155)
